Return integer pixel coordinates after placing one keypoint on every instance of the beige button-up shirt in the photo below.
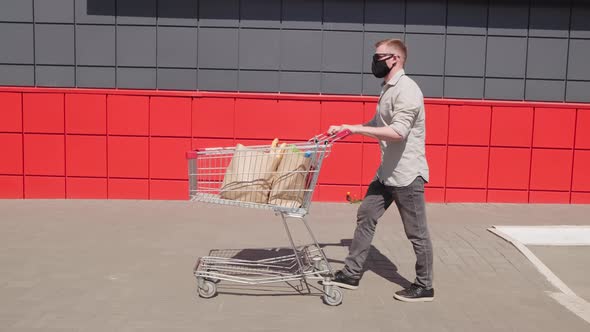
(401, 107)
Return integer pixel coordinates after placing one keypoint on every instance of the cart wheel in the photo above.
(208, 289)
(321, 265)
(333, 297)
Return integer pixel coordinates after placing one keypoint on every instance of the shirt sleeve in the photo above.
(406, 109)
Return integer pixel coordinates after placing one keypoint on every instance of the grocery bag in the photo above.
(290, 182)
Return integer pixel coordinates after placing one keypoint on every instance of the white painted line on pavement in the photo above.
(566, 297)
(549, 235)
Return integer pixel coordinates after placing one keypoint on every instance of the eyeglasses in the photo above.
(383, 56)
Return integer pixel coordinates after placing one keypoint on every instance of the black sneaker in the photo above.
(340, 279)
(415, 293)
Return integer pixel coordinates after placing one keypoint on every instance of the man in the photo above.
(399, 126)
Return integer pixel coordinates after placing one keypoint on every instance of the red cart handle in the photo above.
(331, 138)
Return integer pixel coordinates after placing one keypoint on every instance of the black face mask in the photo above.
(379, 67)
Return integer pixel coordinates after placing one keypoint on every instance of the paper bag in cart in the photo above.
(291, 180)
(249, 174)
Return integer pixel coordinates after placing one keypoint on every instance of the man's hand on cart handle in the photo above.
(337, 129)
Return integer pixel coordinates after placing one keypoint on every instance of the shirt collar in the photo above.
(393, 81)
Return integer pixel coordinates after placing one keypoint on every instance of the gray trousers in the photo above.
(412, 209)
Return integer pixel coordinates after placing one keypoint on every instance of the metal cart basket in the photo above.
(277, 178)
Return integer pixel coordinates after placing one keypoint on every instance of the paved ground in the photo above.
(570, 264)
(127, 266)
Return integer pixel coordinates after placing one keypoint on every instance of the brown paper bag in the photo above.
(249, 174)
(290, 181)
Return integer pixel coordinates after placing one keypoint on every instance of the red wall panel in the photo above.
(167, 158)
(11, 158)
(128, 157)
(508, 196)
(43, 112)
(466, 195)
(512, 126)
(44, 155)
(543, 197)
(581, 179)
(128, 189)
(551, 169)
(467, 167)
(86, 156)
(437, 123)
(11, 186)
(580, 198)
(170, 116)
(255, 118)
(469, 125)
(298, 120)
(128, 115)
(213, 117)
(582, 129)
(554, 127)
(338, 193)
(509, 168)
(11, 116)
(436, 156)
(45, 187)
(86, 114)
(166, 189)
(435, 195)
(370, 162)
(343, 165)
(88, 188)
(337, 113)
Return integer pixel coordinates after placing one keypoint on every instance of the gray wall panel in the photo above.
(95, 77)
(217, 80)
(20, 38)
(370, 39)
(385, 15)
(136, 46)
(177, 79)
(508, 17)
(177, 47)
(578, 91)
(500, 88)
(547, 58)
(465, 55)
(342, 51)
(213, 53)
(95, 12)
(17, 75)
(371, 85)
(426, 16)
(177, 12)
(136, 12)
(337, 83)
(431, 86)
(302, 14)
(301, 50)
(579, 64)
(343, 15)
(219, 13)
(260, 13)
(54, 44)
(95, 45)
(136, 78)
(54, 11)
(300, 82)
(580, 21)
(463, 87)
(425, 54)
(265, 81)
(506, 57)
(16, 10)
(549, 18)
(467, 17)
(260, 49)
(544, 90)
(61, 76)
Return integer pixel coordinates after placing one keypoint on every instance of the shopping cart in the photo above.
(277, 178)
